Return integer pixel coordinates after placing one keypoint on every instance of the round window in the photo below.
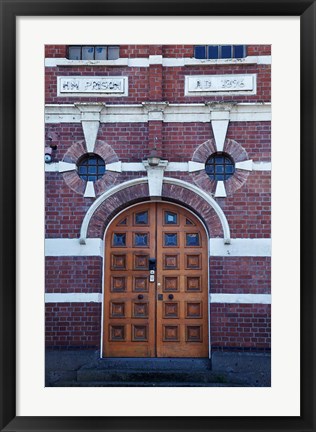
(219, 166)
(91, 167)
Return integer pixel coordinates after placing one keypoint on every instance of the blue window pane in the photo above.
(87, 53)
(213, 52)
(170, 218)
(75, 53)
(82, 170)
(188, 222)
(100, 53)
(193, 239)
(113, 52)
(220, 177)
(92, 178)
(141, 218)
(219, 160)
(171, 239)
(141, 239)
(209, 169)
(123, 222)
(92, 169)
(119, 239)
(229, 169)
(200, 52)
(226, 51)
(101, 170)
(219, 169)
(239, 51)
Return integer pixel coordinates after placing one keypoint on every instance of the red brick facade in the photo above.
(247, 206)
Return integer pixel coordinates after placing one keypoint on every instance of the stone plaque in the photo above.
(92, 86)
(206, 85)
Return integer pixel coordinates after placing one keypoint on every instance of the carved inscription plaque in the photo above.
(93, 85)
(220, 84)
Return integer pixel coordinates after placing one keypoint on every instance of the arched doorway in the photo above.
(155, 283)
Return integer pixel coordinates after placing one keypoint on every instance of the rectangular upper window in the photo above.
(93, 52)
(219, 51)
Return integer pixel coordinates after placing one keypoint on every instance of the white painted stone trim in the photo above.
(246, 165)
(60, 167)
(168, 180)
(195, 166)
(261, 166)
(220, 85)
(89, 192)
(114, 166)
(172, 113)
(240, 298)
(72, 247)
(220, 191)
(258, 247)
(219, 130)
(165, 61)
(213, 298)
(94, 247)
(133, 166)
(73, 298)
(155, 177)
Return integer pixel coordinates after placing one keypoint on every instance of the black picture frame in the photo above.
(9, 10)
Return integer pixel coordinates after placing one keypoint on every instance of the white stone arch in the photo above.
(167, 180)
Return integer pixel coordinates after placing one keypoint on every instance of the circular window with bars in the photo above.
(91, 167)
(219, 167)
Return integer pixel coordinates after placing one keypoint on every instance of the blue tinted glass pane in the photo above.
(83, 170)
(213, 52)
(226, 51)
(171, 239)
(188, 222)
(92, 169)
(87, 53)
(141, 218)
(92, 178)
(141, 239)
(100, 53)
(219, 160)
(239, 51)
(192, 240)
(200, 52)
(74, 53)
(219, 169)
(119, 239)
(101, 170)
(220, 177)
(123, 222)
(229, 169)
(209, 169)
(170, 218)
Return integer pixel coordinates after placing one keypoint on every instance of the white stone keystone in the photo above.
(155, 177)
(89, 192)
(220, 130)
(220, 190)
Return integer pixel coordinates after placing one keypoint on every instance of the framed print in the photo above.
(146, 284)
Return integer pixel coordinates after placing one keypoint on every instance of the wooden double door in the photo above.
(156, 284)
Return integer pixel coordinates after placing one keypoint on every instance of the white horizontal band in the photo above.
(213, 298)
(157, 60)
(73, 298)
(170, 113)
(241, 298)
(95, 247)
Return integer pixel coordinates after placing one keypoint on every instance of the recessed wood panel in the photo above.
(140, 283)
(170, 261)
(171, 310)
(170, 333)
(140, 262)
(193, 283)
(140, 333)
(117, 333)
(193, 310)
(140, 309)
(117, 309)
(193, 333)
(170, 283)
(118, 283)
(193, 262)
(118, 262)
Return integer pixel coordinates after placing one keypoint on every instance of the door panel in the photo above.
(161, 313)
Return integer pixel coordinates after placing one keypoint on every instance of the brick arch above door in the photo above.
(122, 196)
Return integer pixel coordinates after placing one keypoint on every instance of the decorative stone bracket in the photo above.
(90, 120)
(155, 177)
